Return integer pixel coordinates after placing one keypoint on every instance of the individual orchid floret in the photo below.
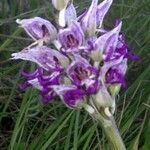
(115, 77)
(71, 38)
(89, 21)
(101, 11)
(43, 81)
(39, 29)
(103, 99)
(71, 95)
(45, 57)
(106, 44)
(84, 76)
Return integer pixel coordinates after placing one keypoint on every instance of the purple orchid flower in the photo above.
(71, 96)
(71, 38)
(39, 28)
(106, 44)
(45, 57)
(84, 76)
(86, 66)
(115, 75)
(43, 81)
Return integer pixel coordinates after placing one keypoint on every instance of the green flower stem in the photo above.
(108, 124)
(112, 133)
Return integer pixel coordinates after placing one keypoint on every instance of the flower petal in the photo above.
(102, 10)
(45, 57)
(70, 14)
(70, 95)
(71, 38)
(107, 42)
(42, 80)
(88, 21)
(38, 28)
(83, 75)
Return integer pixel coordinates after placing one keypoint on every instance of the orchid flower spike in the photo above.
(82, 67)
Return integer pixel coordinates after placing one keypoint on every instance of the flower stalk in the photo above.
(108, 124)
(112, 133)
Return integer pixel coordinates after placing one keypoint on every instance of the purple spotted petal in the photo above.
(71, 38)
(107, 42)
(38, 28)
(70, 95)
(88, 21)
(70, 14)
(45, 57)
(36, 84)
(102, 10)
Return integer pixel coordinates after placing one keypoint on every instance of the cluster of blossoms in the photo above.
(80, 62)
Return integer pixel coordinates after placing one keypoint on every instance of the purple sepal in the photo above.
(102, 10)
(45, 57)
(70, 14)
(71, 38)
(88, 21)
(107, 42)
(39, 28)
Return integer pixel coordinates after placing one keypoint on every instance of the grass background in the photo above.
(27, 125)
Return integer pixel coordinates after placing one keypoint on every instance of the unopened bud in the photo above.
(60, 4)
(114, 89)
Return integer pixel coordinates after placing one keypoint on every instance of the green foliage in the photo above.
(26, 124)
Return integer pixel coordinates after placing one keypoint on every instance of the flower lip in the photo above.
(70, 95)
(42, 80)
(113, 76)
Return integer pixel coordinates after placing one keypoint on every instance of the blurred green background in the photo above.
(27, 125)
